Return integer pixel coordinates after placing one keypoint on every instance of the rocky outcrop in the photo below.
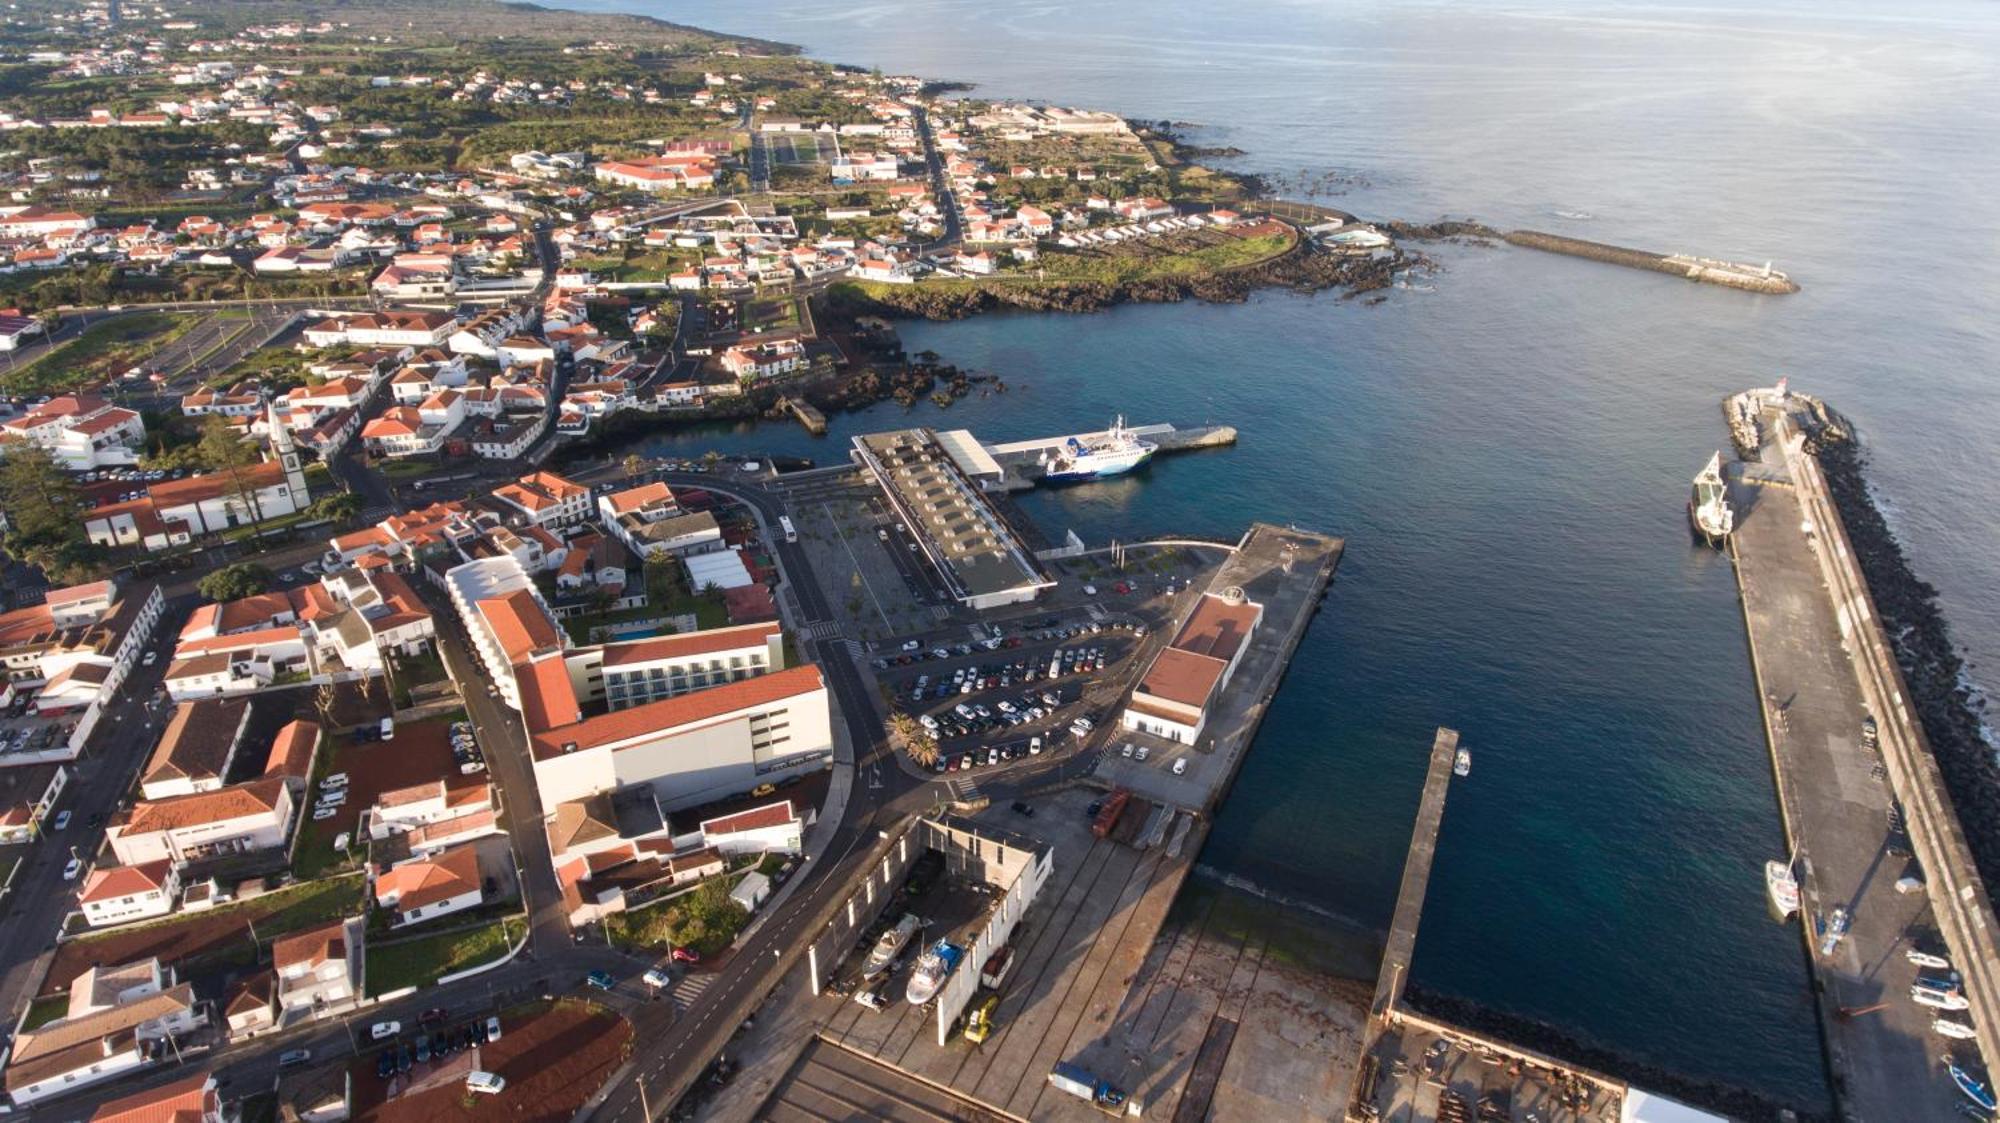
(1303, 269)
(1541, 1037)
(1941, 694)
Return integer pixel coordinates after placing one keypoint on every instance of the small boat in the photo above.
(1781, 888)
(933, 968)
(1947, 985)
(1937, 1000)
(1836, 929)
(887, 947)
(1708, 507)
(1948, 1028)
(1973, 1089)
(1462, 766)
(1925, 959)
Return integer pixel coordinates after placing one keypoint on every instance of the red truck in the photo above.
(1107, 815)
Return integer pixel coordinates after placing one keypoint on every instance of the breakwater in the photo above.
(1735, 275)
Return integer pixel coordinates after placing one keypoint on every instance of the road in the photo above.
(934, 169)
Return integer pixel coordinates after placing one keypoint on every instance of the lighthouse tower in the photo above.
(288, 455)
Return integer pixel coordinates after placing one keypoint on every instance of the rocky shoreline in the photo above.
(1729, 1099)
(1945, 702)
(1301, 269)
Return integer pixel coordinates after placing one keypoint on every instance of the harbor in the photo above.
(1187, 1023)
(1895, 921)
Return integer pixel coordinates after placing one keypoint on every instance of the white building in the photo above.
(505, 617)
(235, 819)
(318, 971)
(82, 1049)
(1174, 698)
(430, 888)
(119, 894)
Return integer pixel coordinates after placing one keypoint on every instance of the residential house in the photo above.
(430, 888)
(318, 971)
(120, 894)
(238, 818)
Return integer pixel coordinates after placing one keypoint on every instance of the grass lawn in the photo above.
(104, 350)
(46, 1009)
(704, 919)
(213, 937)
(422, 960)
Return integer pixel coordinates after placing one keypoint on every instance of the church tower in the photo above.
(288, 455)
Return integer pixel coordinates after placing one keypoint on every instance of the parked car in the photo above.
(151, 658)
(1180, 766)
(292, 1058)
(601, 980)
(74, 867)
(423, 1048)
(431, 1016)
(1023, 809)
(659, 978)
(489, 1083)
(871, 998)
(62, 820)
(334, 781)
(380, 1030)
(493, 1028)
(685, 955)
(385, 1065)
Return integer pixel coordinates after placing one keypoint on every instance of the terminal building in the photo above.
(935, 493)
(1174, 697)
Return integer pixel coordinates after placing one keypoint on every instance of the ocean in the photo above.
(1508, 446)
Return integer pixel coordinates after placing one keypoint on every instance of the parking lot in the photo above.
(1007, 698)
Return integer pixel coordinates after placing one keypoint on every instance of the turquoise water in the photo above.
(1508, 454)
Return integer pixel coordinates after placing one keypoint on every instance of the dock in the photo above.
(1861, 818)
(1401, 945)
(1193, 1024)
(1729, 274)
(807, 414)
(1016, 465)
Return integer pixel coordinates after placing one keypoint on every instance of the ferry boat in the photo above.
(1708, 508)
(889, 945)
(933, 968)
(1945, 1027)
(1973, 1089)
(1112, 453)
(1781, 888)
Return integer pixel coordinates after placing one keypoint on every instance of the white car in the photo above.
(911, 645)
(1180, 766)
(381, 1030)
(1143, 750)
(1126, 752)
(657, 977)
(493, 1028)
(1034, 746)
(324, 812)
(151, 658)
(491, 1083)
(62, 820)
(75, 867)
(334, 780)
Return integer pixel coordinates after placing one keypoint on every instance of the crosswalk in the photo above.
(688, 989)
(963, 791)
(822, 629)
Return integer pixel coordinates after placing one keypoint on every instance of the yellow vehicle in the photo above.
(762, 790)
(979, 1023)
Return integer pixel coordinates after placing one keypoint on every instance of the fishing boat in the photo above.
(1925, 959)
(1781, 888)
(1708, 507)
(1938, 1000)
(890, 943)
(1947, 985)
(933, 968)
(1973, 1089)
(1113, 452)
(1462, 766)
(1945, 1027)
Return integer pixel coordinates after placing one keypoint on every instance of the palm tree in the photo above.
(922, 750)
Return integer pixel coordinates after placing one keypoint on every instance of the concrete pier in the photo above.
(1730, 274)
(1402, 942)
(1823, 668)
(1019, 461)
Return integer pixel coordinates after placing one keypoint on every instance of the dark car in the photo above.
(423, 1048)
(405, 1057)
(473, 1035)
(434, 1014)
(385, 1065)
(601, 980)
(1023, 809)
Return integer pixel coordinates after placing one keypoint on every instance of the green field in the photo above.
(105, 350)
(423, 960)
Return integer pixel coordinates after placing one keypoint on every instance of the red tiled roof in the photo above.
(757, 818)
(426, 882)
(689, 644)
(673, 713)
(184, 1101)
(106, 882)
(236, 801)
(311, 948)
(519, 624)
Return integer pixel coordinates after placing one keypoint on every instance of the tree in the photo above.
(223, 451)
(41, 506)
(244, 579)
(633, 464)
(338, 507)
